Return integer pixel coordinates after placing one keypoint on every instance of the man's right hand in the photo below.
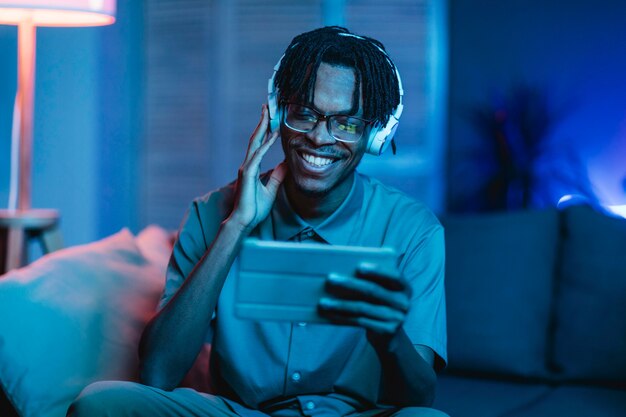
(174, 336)
(254, 200)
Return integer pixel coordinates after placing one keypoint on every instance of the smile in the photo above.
(316, 161)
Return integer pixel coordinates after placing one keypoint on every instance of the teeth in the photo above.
(316, 160)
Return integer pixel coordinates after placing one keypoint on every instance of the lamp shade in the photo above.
(58, 12)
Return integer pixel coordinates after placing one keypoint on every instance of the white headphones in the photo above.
(380, 136)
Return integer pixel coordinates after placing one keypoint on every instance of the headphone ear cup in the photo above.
(380, 137)
(273, 111)
(373, 146)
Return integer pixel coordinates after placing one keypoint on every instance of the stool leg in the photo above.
(15, 248)
(51, 240)
(4, 251)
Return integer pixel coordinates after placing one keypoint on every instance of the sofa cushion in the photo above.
(71, 318)
(499, 284)
(590, 338)
(476, 397)
(576, 401)
(471, 397)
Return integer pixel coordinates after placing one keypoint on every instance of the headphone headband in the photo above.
(380, 137)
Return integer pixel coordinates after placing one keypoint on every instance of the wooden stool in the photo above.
(17, 227)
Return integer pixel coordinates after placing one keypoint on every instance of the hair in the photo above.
(375, 73)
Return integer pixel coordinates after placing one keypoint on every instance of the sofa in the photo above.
(536, 307)
(536, 304)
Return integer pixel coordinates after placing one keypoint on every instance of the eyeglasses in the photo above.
(342, 127)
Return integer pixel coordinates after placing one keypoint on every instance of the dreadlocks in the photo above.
(374, 71)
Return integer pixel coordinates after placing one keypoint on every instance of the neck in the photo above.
(315, 208)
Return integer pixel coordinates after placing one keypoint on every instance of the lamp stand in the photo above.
(26, 41)
(20, 222)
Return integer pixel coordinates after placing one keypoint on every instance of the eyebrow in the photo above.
(339, 113)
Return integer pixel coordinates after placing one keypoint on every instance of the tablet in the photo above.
(285, 280)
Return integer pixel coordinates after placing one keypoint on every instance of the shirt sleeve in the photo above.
(424, 267)
(198, 229)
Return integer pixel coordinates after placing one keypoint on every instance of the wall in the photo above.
(87, 124)
(91, 159)
(207, 69)
(120, 125)
(574, 51)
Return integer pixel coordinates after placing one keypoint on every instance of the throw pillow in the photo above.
(499, 278)
(156, 245)
(71, 318)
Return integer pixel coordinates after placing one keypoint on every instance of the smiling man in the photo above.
(333, 97)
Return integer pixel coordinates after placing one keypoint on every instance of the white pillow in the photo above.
(72, 318)
(155, 243)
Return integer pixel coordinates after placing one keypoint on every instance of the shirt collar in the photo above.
(336, 229)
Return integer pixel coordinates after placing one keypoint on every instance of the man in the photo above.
(334, 90)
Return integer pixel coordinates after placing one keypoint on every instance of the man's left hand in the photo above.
(374, 298)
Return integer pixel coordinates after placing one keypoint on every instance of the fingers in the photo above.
(258, 155)
(379, 319)
(351, 288)
(390, 279)
(259, 133)
(376, 299)
(356, 309)
(277, 177)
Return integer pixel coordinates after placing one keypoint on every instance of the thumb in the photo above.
(277, 178)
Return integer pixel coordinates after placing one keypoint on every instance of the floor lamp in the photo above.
(20, 220)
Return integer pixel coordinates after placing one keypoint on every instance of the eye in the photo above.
(305, 115)
(349, 125)
(302, 113)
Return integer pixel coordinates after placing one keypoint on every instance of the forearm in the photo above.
(173, 338)
(407, 379)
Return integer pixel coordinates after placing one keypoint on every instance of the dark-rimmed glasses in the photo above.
(342, 127)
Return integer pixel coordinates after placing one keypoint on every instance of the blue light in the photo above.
(619, 210)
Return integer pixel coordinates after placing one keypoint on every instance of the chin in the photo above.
(312, 188)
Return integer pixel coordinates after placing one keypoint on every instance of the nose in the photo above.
(320, 135)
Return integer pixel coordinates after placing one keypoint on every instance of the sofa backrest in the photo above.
(590, 320)
(537, 294)
(499, 286)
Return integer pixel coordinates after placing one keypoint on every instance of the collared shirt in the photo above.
(325, 369)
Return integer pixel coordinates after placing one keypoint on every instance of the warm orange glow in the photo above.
(38, 17)
(27, 15)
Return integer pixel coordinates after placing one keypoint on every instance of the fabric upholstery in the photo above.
(476, 397)
(573, 401)
(472, 397)
(499, 274)
(590, 338)
(71, 318)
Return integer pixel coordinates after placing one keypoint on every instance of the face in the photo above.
(319, 164)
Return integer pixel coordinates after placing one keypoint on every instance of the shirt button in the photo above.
(310, 405)
(302, 324)
(295, 377)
